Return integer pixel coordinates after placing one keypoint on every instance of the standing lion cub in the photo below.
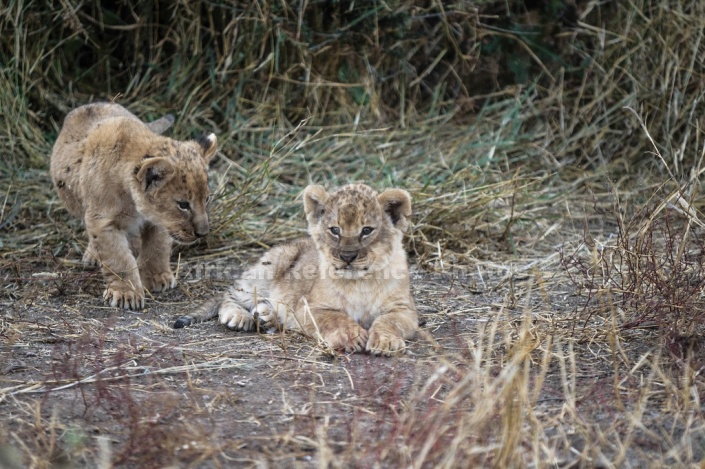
(348, 282)
(135, 190)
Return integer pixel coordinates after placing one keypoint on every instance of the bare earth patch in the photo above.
(498, 376)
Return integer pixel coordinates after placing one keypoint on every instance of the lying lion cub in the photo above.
(348, 281)
(135, 190)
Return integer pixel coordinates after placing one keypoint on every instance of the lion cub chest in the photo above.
(362, 300)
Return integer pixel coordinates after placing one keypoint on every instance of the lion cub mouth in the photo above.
(351, 272)
(184, 241)
(352, 268)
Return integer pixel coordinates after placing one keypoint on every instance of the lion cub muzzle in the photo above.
(201, 229)
(347, 257)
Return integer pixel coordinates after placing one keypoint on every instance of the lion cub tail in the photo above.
(205, 312)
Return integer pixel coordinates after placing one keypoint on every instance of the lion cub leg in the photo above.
(338, 330)
(90, 255)
(113, 250)
(90, 258)
(153, 259)
(388, 332)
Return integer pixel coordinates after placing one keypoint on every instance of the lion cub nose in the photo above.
(348, 257)
(201, 234)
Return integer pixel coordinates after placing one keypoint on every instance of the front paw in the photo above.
(122, 295)
(385, 343)
(350, 337)
(159, 282)
(265, 314)
(235, 317)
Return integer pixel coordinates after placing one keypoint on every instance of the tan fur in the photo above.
(362, 303)
(126, 182)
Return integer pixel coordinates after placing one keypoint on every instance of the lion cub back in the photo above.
(69, 150)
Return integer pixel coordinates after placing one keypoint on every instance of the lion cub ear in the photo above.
(315, 198)
(154, 173)
(397, 204)
(208, 146)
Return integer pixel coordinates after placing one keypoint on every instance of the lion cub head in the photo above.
(356, 230)
(170, 186)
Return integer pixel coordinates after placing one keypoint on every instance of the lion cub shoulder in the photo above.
(347, 282)
(136, 192)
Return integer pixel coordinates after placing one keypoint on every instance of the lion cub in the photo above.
(135, 190)
(348, 281)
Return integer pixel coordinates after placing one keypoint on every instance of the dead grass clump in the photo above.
(270, 59)
(242, 69)
(648, 274)
(523, 392)
(651, 272)
(476, 411)
(651, 53)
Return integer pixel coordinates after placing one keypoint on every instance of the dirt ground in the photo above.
(82, 382)
(204, 395)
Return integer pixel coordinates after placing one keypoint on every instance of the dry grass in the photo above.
(556, 247)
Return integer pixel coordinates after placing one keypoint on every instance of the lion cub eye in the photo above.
(335, 230)
(366, 231)
(185, 206)
(208, 199)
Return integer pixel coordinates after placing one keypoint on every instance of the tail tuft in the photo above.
(205, 312)
(182, 322)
